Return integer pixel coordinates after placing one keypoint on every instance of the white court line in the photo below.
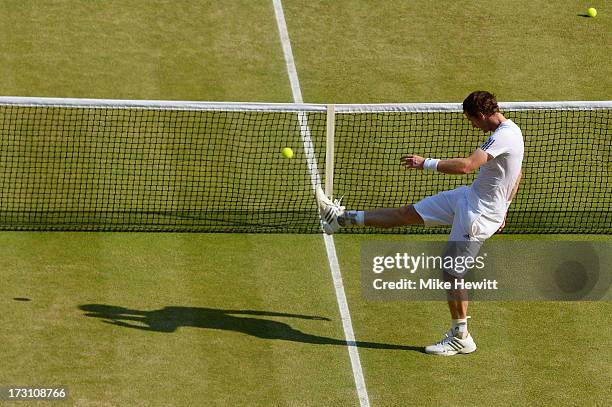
(330, 247)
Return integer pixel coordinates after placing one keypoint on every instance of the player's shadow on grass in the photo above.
(169, 319)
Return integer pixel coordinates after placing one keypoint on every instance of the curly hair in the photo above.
(480, 101)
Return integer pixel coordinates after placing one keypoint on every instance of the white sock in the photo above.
(354, 217)
(460, 328)
(360, 218)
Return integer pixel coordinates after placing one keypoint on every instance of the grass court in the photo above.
(159, 319)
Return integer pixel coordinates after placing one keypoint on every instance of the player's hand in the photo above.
(501, 227)
(412, 161)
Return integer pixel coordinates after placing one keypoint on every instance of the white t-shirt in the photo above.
(491, 191)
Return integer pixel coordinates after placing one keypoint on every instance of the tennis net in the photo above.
(79, 164)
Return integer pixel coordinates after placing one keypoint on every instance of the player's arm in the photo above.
(453, 166)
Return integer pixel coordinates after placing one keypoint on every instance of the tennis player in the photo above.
(476, 212)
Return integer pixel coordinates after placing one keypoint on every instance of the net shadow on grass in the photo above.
(169, 319)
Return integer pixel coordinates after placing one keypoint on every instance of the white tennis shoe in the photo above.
(329, 211)
(451, 345)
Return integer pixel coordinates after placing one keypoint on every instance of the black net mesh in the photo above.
(135, 169)
(566, 185)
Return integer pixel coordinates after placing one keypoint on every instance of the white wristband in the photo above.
(431, 164)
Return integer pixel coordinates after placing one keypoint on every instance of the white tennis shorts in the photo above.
(452, 208)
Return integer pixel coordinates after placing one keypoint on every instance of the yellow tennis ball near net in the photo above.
(592, 11)
(287, 152)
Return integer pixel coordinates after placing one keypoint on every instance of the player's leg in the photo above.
(335, 216)
(457, 340)
(462, 243)
(458, 297)
(457, 301)
(468, 233)
(434, 210)
(384, 217)
(458, 308)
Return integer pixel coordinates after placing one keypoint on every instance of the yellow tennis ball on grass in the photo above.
(287, 152)
(592, 11)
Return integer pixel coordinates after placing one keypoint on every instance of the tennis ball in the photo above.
(592, 11)
(287, 152)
